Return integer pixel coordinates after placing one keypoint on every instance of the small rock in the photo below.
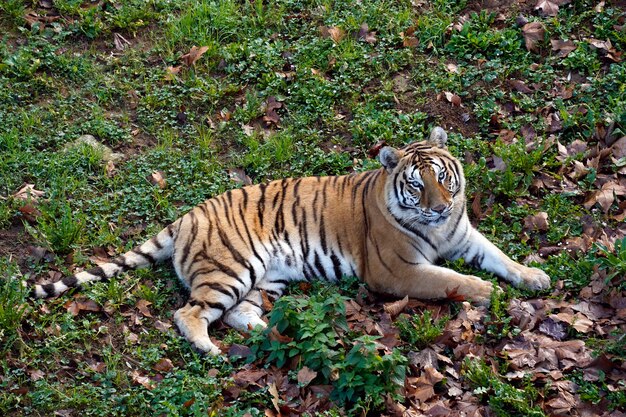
(90, 140)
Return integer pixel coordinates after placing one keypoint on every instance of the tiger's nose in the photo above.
(439, 208)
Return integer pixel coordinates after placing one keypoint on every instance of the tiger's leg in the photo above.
(430, 282)
(211, 296)
(247, 314)
(480, 252)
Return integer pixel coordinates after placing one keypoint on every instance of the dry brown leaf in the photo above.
(452, 98)
(271, 116)
(28, 192)
(142, 306)
(142, 380)
(305, 376)
(562, 48)
(605, 49)
(537, 221)
(266, 304)
(336, 34)
(172, 72)
(239, 175)
(408, 40)
(81, 304)
(193, 55)
(605, 196)
(396, 307)
(163, 365)
(453, 295)
(157, 178)
(547, 7)
(366, 35)
(275, 398)
(520, 86)
(533, 34)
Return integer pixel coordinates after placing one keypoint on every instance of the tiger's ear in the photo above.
(389, 157)
(438, 137)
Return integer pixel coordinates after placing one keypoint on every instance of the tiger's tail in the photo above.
(156, 249)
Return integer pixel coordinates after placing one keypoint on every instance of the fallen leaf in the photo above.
(271, 116)
(28, 192)
(605, 196)
(305, 376)
(533, 34)
(336, 34)
(239, 175)
(142, 380)
(267, 304)
(562, 48)
(172, 72)
(366, 35)
(547, 7)
(157, 178)
(78, 305)
(605, 49)
(520, 86)
(194, 54)
(553, 328)
(142, 306)
(537, 221)
(396, 307)
(453, 295)
(275, 398)
(452, 98)
(374, 150)
(163, 365)
(241, 351)
(36, 374)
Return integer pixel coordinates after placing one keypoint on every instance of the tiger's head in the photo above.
(425, 184)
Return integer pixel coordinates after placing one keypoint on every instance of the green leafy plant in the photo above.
(504, 399)
(58, 227)
(614, 262)
(13, 305)
(314, 330)
(420, 331)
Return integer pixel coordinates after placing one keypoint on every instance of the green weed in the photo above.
(504, 399)
(13, 306)
(420, 331)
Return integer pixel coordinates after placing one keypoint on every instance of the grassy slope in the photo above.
(115, 71)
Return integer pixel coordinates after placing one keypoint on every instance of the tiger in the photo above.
(389, 226)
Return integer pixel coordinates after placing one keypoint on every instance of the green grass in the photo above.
(64, 77)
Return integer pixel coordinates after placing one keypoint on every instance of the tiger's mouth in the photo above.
(434, 219)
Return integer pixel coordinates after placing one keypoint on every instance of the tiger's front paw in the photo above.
(479, 291)
(532, 278)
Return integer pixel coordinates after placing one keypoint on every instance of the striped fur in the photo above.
(388, 226)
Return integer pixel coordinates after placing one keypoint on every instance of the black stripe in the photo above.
(280, 281)
(318, 265)
(97, 271)
(323, 234)
(190, 238)
(456, 224)
(48, 289)
(226, 289)
(261, 204)
(121, 262)
(149, 257)
(156, 242)
(244, 194)
(252, 303)
(70, 281)
(336, 265)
